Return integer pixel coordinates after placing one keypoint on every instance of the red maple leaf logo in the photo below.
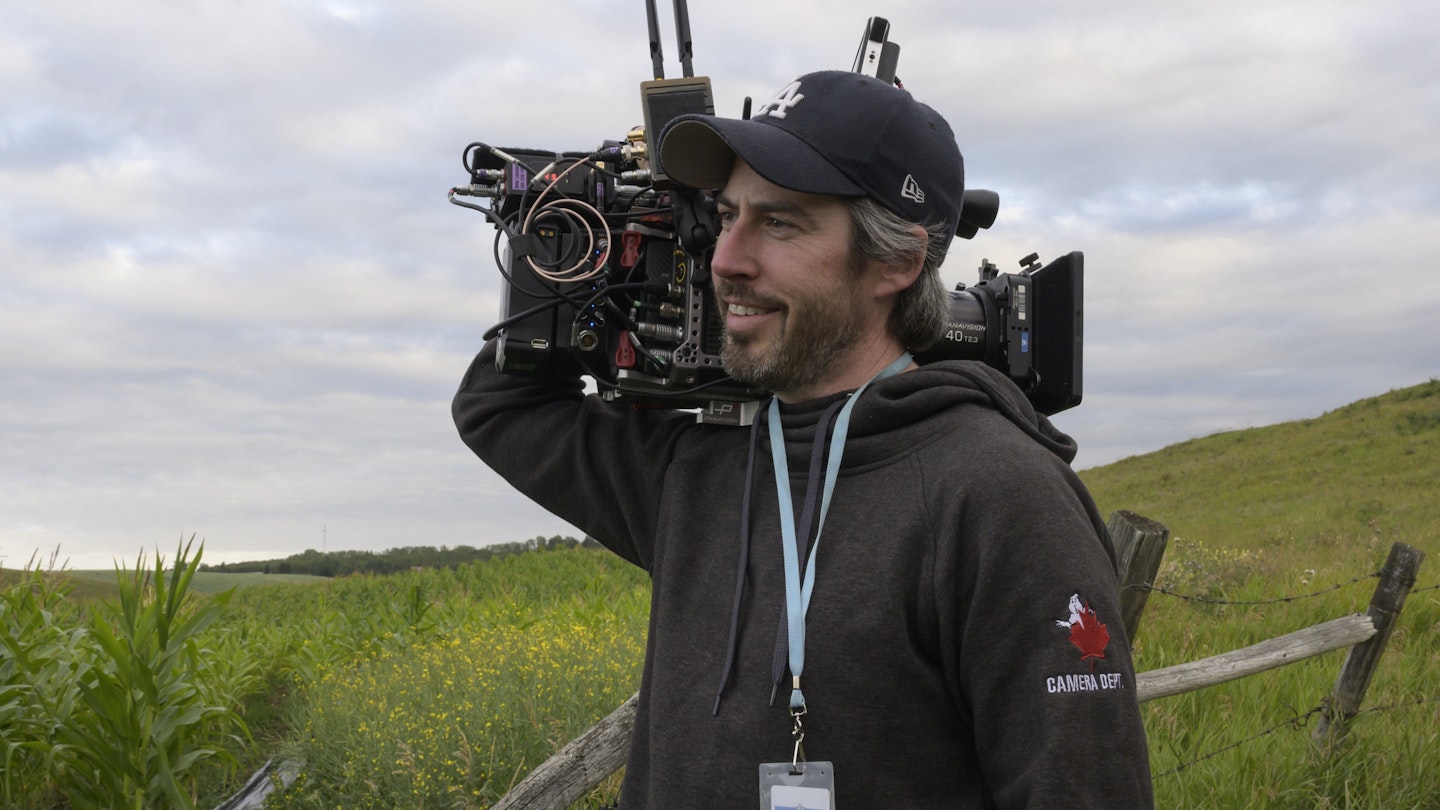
(1090, 636)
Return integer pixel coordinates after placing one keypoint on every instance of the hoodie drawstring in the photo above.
(807, 517)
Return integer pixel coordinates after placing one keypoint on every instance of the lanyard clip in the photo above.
(797, 759)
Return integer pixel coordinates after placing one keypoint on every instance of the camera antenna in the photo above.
(682, 34)
(657, 55)
(877, 55)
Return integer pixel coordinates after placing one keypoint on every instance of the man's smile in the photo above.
(741, 309)
(749, 313)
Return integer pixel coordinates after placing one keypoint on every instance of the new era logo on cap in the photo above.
(831, 132)
(911, 190)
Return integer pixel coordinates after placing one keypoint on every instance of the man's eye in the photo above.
(725, 217)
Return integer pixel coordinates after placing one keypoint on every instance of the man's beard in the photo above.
(816, 333)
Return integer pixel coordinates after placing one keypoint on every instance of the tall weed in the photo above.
(118, 705)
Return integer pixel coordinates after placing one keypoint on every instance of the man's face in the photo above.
(799, 315)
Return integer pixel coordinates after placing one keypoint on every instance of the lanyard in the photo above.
(797, 593)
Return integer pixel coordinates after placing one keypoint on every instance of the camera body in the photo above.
(606, 274)
(599, 281)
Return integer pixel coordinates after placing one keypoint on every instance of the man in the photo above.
(893, 617)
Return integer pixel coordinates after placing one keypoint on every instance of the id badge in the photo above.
(791, 786)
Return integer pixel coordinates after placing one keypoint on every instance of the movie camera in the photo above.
(605, 266)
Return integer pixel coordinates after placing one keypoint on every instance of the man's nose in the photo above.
(732, 257)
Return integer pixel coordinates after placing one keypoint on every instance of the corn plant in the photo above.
(42, 659)
(151, 716)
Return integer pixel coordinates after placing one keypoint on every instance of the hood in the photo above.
(895, 413)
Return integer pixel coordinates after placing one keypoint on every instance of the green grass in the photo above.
(476, 676)
(1277, 512)
(434, 688)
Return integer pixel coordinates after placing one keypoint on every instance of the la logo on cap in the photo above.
(780, 105)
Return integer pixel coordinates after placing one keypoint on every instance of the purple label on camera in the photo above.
(519, 178)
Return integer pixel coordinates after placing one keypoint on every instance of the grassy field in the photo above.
(452, 685)
(442, 688)
(213, 581)
(82, 588)
(435, 688)
(1274, 513)
(101, 584)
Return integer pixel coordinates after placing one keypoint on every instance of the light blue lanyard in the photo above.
(797, 595)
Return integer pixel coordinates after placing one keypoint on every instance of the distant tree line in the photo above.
(345, 563)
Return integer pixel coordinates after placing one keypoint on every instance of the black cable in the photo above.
(465, 156)
(495, 219)
(514, 319)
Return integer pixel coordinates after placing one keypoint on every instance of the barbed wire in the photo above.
(1404, 704)
(1297, 722)
(1214, 601)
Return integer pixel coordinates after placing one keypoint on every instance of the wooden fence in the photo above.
(1140, 544)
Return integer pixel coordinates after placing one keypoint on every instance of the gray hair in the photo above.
(883, 236)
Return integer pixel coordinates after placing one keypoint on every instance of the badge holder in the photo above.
(784, 787)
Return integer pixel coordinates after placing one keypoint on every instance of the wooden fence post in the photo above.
(1396, 580)
(1139, 546)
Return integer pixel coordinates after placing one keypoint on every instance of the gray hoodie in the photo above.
(963, 645)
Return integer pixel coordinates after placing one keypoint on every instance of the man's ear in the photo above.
(897, 277)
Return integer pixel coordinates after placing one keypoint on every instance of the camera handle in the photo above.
(695, 226)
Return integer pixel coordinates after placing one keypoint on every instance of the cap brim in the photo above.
(700, 151)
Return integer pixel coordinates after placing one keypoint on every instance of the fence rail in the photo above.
(578, 767)
(1268, 654)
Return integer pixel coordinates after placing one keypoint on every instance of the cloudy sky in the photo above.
(234, 302)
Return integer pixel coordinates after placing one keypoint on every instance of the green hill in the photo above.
(1275, 529)
(1368, 471)
(205, 581)
(100, 584)
(80, 588)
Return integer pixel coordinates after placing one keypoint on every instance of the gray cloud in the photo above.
(234, 303)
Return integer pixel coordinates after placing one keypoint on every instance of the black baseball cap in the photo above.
(831, 132)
